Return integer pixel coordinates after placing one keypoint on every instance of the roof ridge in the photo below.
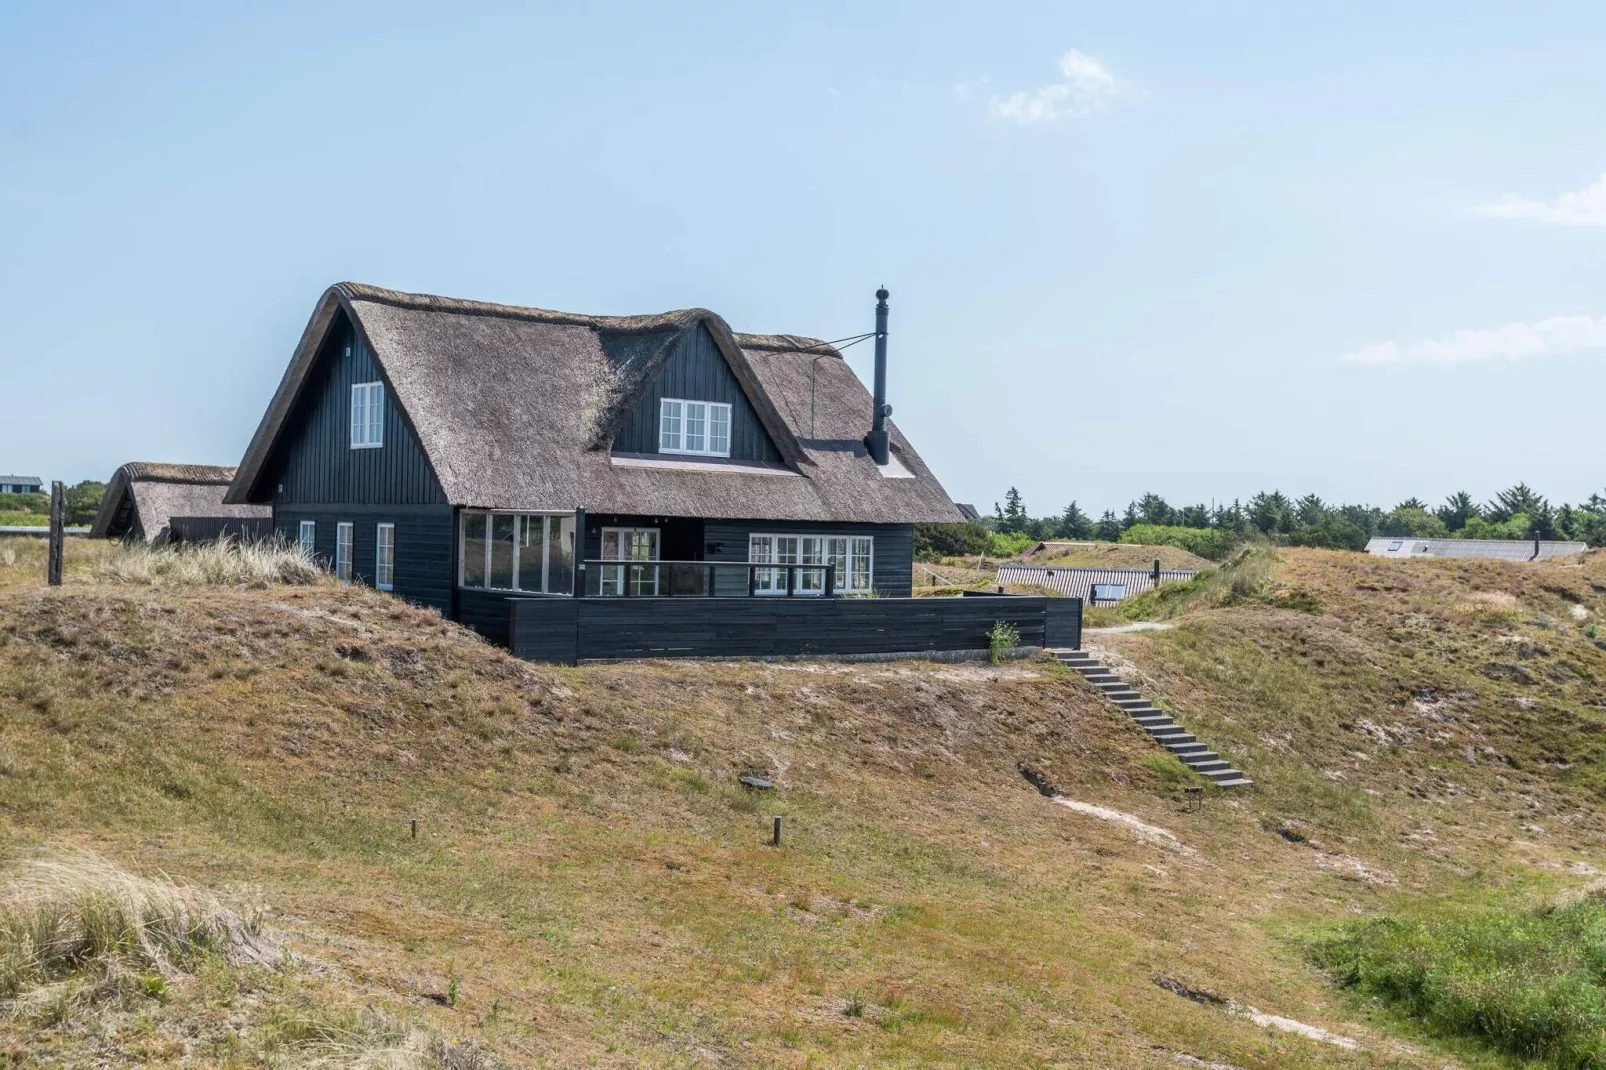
(169, 472)
(672, 320)
(786, 343)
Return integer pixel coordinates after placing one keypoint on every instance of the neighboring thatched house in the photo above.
(447, 449)
(147, 502)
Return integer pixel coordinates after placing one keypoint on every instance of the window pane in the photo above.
(669, 426)
(343, 551)
(474, 549)
(531, 540)
(376, 414)
(812, 552)
(358, 408)
(719, 430)
(859, 570)
(501, 576)
(307, 537)
(385, 556)
(560, 556)
(696, 422)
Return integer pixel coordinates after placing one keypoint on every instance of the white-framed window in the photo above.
(853, 556)
(307, 538)
(343, 535)
(1109, 592)
(700, 427)
(367, 415)
(528, 552)
(385, 557)
(629, 544)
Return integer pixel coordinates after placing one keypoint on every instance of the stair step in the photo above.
(1190, 751)
(1219, 775)
(1155, 718)
(1213, 766)
(1112, 684)
(1241, 782)
(1171, 733)
(1129, 703)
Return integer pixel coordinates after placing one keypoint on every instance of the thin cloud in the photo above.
(1514, 341)
(1577, 208)
(1086, 85)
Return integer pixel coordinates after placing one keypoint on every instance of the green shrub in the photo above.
(936, 541)
(1010, 543)
(1528, 983)
(1213, 544)
(1001, 639)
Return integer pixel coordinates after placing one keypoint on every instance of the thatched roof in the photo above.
(143, 496)
(516, 408)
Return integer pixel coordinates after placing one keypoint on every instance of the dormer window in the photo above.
(367, 415)
(700, 427)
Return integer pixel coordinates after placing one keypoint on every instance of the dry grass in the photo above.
(590, 885)
(226, 562)
(59, 916)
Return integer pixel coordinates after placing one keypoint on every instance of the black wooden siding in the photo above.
(425, 545)
(314, 462)
(697, 371)
(198, 529)
(607, 628)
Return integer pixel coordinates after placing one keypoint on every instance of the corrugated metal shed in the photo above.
(1114, 584)
(1498, 549)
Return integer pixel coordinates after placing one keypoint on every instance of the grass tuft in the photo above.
(62, 916)
(226, 562)
(1528, 983)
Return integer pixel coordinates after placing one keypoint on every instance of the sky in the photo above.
(1355, 249)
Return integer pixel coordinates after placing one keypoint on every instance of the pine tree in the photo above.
(1013, 518)
(1457, 509)
(1075, 524)
(1109, 527)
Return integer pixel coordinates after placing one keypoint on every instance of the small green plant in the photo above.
(1590, 630)
(563, 765)
(453, 989)
(1173, 775)
(853, 1006)
(624, 744)
(1001, 640)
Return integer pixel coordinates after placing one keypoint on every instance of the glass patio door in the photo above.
(629, 544)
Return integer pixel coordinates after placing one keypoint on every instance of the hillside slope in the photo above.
(589, 885)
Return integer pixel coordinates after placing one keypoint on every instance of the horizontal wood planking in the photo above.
(760, 627)
(195, 529)
(314, 461)
(424, 547)
(545, 629)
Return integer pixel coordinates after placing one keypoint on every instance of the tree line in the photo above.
(1518, 512)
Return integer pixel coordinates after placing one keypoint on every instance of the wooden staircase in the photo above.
(1157, 723)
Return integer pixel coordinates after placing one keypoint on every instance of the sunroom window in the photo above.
(523, 552)
(851, 554)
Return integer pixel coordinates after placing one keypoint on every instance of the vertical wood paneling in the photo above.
(697, 371)
(314, 463)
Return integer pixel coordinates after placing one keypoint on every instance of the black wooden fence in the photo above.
(581, 629)
(197, 529)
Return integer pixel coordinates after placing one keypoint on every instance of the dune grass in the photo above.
(59, 916)
(227, 562)
(1527, 983)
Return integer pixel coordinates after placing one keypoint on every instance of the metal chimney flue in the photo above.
(876, 442)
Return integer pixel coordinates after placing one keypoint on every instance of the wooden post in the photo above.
(53, 576)
(775, 838)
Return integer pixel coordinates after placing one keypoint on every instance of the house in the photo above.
(20, 485)
(1095, 586)
(450, 451)
(147, 502)
(1503, 550)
